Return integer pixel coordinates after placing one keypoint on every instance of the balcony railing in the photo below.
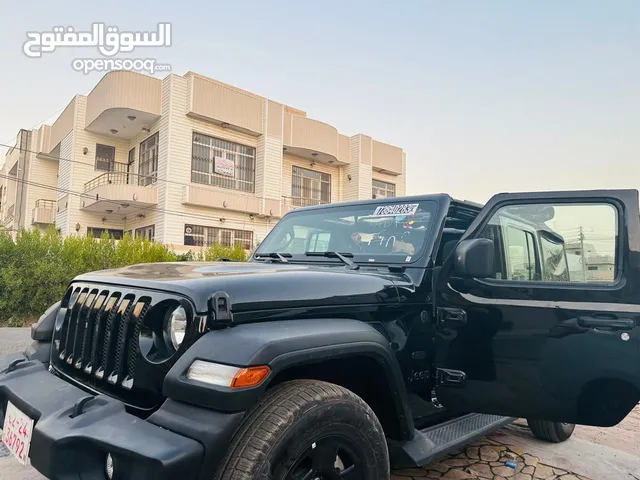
(305, 202)
(290, 203)
(47, 204)
(44, 212)
(120, 178)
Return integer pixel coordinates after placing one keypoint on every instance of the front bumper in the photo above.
(64, 445)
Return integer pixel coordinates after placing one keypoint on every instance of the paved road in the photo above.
(596, 454)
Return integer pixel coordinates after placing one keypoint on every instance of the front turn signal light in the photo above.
(226, 375)
(250, 377)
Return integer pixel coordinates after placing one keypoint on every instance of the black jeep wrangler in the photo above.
(359, 335)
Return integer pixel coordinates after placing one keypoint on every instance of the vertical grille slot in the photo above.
(82, 328)
(111, 312)
(93, 333)
(133, 347)
(62, 339)
(122, 324)
(67, 353)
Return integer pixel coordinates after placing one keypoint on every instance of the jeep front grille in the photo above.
(96, 342)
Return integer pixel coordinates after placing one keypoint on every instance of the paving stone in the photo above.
(515, 449)
(559, 471)
(489, 453)
(433, 474)
(523, 476)
(503, 471)
(458, 452)
(569, 477)
(543, 471)
(411, 472)
(457, 475)
(528, 470)
(496, 464)
(530, 460)
(456, 462)
(482, 470)
(439, 467)
(473, 453)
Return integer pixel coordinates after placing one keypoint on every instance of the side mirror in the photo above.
(474, 258)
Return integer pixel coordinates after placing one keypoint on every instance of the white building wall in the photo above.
(178, 152)
(65, 171)
(176, 126)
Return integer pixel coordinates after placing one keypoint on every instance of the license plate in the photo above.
(16, 433)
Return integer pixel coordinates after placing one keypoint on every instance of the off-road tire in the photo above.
(290, 418)
(554, 432)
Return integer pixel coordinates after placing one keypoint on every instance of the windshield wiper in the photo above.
(281, 257)
(341, 256)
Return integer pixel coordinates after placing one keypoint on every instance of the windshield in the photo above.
(373, 232)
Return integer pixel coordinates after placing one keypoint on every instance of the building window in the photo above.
(146, 233)
(201, 236)
(148, 165)
(105, 157)
(223, 164)
(383, 189)
(97, 232)
(309, 187)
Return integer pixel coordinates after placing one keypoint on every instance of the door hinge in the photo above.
(220, 308)
(450, 378)
(452, 317)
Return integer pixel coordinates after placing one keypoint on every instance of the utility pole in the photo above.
(582, 257)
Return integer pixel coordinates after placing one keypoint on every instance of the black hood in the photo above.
(257, 286)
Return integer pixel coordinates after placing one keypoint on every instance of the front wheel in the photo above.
(306, 429)
(554, 432)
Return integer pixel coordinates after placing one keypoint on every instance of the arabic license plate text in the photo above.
(16, 433)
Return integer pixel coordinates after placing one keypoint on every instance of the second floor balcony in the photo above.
(291, 203)
(121, 192)
(44, 212)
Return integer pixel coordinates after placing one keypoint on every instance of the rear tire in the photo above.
(307, 429)
(554, 432)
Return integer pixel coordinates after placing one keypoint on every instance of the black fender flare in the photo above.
(280, 345)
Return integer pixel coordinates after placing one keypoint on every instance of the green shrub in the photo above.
(36, 269)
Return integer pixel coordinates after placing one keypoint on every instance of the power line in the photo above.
(158, 209)
(33, 126)
(151, 208)
(182, 184)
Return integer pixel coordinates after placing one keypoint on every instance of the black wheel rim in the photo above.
(330, 458)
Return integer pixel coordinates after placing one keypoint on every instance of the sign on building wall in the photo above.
(224, 166)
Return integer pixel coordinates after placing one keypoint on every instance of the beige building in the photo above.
(185, 160)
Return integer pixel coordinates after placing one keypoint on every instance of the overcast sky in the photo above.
(484, 96)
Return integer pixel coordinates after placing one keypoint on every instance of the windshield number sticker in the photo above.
(395, 210)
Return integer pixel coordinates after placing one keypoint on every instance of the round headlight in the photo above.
(177, 326)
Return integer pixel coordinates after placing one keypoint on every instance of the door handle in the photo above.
(606, 321)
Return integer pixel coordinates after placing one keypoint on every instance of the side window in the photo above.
(555, 242)
(521, 255)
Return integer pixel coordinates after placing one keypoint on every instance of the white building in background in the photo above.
(185, 160)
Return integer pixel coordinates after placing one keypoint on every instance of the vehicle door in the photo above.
(538, 309)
